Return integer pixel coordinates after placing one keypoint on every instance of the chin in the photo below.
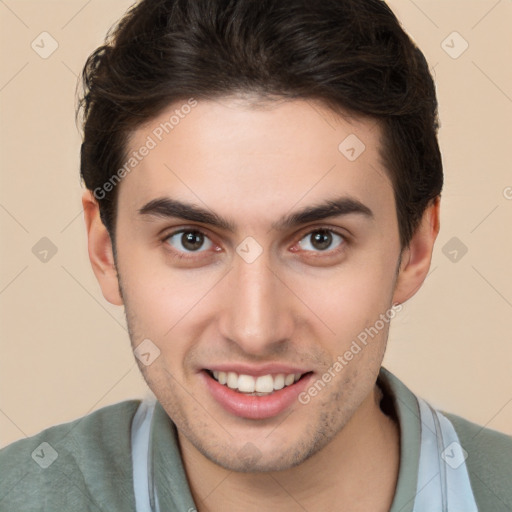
(255, 462)
(251, 458)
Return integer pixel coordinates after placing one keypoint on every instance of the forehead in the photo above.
(258, 160)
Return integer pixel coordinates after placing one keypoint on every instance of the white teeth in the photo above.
(263, 384)
(279, 381)
(246, 383)
(289, 379)
(232, 380)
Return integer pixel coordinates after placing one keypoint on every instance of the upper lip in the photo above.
(257, 371)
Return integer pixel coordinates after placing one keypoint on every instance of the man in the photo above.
(263, 192)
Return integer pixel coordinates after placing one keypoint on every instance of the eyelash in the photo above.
(182, 255)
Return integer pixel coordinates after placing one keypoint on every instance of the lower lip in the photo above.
(255, 407)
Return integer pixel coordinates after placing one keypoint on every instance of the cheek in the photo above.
(352, 297)
(155, 291)
(164, 304)
(151, 299)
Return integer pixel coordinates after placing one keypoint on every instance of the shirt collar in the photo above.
(407, 411)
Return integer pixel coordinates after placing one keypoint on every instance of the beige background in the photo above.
(65, 351)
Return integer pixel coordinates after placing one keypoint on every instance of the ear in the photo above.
(416, 258)
(101, 253)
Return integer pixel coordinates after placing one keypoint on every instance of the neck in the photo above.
(356, 471)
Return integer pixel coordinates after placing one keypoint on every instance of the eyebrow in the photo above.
(166, 207)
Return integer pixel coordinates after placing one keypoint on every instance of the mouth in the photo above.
(255, 396)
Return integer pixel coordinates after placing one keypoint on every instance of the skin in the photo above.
(296, 303)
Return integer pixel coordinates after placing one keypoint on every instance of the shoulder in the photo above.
(81, 465)
(489, 463)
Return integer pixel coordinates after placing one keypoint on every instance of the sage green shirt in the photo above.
(86, 465)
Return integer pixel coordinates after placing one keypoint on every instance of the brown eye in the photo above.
(188, 241)
(321, 240)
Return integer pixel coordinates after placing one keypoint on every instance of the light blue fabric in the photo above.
(443, 480)
(141, 460)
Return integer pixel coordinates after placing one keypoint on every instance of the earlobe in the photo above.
(100, 250)
(416, 258)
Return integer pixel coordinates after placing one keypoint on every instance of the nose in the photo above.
(257, 313)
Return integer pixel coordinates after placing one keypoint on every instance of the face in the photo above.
(253, 251)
